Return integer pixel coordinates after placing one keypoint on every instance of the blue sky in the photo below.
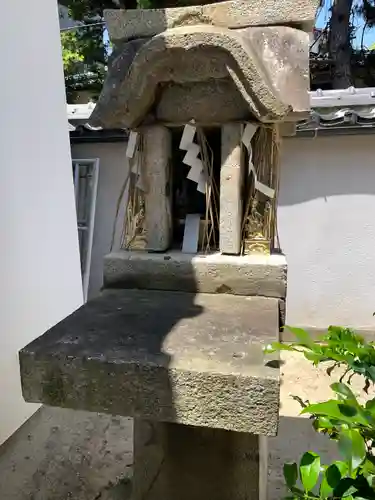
(369, 36)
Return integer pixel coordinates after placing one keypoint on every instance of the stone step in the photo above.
(166, 356)
(259, 275)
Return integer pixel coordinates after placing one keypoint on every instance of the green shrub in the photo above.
(343, 419)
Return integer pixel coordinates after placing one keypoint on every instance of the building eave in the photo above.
(350, 111)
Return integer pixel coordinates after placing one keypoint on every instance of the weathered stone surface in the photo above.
(183, 55)
(207, 77)
(60, 454)
(182, 462)
(157, 144)
(231, 177)
(118, 67)
(166, 356)
(181, 103)
(284, 52)
(213, 273)
(125, 24)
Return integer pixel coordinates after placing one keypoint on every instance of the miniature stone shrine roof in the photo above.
(231, 61)
(333, 111)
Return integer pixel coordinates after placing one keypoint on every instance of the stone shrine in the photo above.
(175, 339)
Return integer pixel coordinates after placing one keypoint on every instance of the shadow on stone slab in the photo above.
(120, 491)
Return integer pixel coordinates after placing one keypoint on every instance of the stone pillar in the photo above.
(231, 177)
(158, 197)
(173, 461)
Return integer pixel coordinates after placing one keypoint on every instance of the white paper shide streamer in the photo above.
(196, 172)
(247, 135)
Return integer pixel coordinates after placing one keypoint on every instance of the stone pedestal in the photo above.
(183, 462)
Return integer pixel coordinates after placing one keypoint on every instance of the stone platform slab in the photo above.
(166, 356)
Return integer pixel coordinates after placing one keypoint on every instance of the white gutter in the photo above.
(318, 99)
(342, 98)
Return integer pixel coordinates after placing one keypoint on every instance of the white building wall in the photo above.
(39, 264)
(327, 230)
(113, 170)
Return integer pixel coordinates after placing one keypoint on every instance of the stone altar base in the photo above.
(183, 462)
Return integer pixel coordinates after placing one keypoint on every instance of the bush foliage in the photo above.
(342, 418)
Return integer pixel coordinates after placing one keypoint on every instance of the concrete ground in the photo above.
(63, 454)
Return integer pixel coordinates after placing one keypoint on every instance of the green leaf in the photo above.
(337, 410)
(370, 479)
(370, 404)
(348, 410)
(343, 390)
(364, 488)
(298, 493)
(345, 488)
(323, 422)
(309, 468)
(371, 373)
(352, 446)
(313, 356)
(368, 468)
(333, 475)
(302, 336)
(342, 467)
(290, 474)
(330, 480)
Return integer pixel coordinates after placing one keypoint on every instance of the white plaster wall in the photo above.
(327, 230)
(113, 170)
(39, 263)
